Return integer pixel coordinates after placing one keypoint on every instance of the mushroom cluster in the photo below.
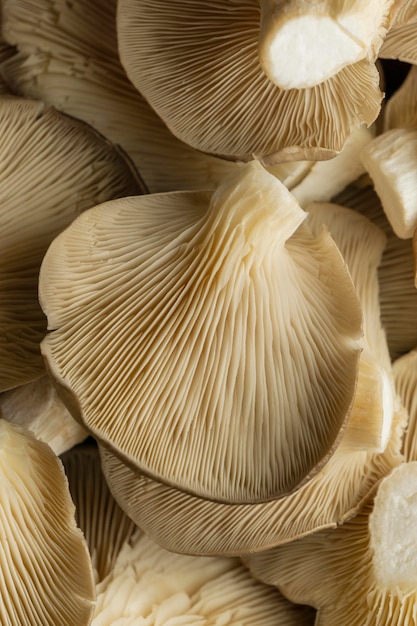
(208, 269)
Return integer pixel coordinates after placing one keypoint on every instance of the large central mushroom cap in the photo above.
(208, 338)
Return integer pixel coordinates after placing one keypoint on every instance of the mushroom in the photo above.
(369, 564)
(302, 44)
(185, 523)
(46, 570)
(198, 66)
(397, 293)
(362, 244)
(149, 585)
(105, 526)
(198, 294)
(405, 372)
(53, 167)
(37, 407)
(68, 57)
(391, 160)
(327, 178)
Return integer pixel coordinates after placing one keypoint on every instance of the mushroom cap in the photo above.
(37, 407)
(397, 293)
(362, 244)
(149, 585)
(72, 168)
(185, 523)
(46, 570)
(105, 526)
(198, 67)
(199, 294)
(68, 57)
(369, 566)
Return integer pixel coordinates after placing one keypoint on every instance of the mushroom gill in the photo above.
(53, 167)
(46, 573)
(219, 337)
(197, 64)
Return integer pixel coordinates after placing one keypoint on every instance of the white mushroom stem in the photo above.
(393, 530)
(302, 43)
(391, 162)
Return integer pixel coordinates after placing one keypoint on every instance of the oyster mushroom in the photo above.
(46, 576)
(53, 168)
(67, 56)
(105, 526)
(238, 329)
(370, 567)
(198, 67)
(185, 523)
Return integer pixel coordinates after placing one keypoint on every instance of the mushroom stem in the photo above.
(303, 43)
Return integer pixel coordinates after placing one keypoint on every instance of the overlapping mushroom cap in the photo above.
(52, 168)
(197, 65)
(219, 337)
(67, 56)
(46, 574)
(369, 564)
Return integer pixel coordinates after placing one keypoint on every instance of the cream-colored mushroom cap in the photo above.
(198, 66)
(397, 293)
(185, 523)
(369, 564)
(105, 526)
(301, 44)
(67, 56)
(46, 573)
(149, 586)
(219, 337)
(362, 244)
(52, 168)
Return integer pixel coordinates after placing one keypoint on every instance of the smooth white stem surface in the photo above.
(303, 43)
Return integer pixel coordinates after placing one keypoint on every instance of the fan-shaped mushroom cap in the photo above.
(46, 573)
(68, 58)
(391, 160)
(405, 372)
(369, 564)
(198, 67)
(192, 525)
(53, 167)
(105, 526)
(153, 587)
(301, 44)
(237, 328)
(397, 293)
(37, 407)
